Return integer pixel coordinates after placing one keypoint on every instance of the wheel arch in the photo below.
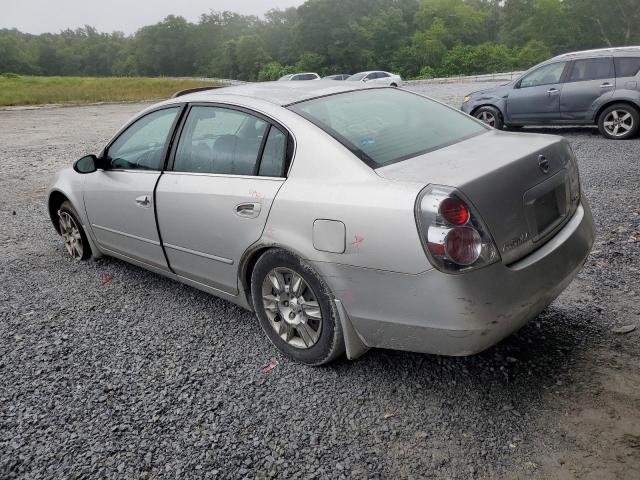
(475, 109)
(248, 263)
(54, 202)
(609, 103)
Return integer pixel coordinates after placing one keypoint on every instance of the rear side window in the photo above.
(627, 67)
(273, 156)
(219, 140)
(383, 126)
(591, 69)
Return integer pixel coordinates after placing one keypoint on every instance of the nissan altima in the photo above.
(347, 217)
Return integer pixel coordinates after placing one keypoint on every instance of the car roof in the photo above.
(278, 93)
(600, 52)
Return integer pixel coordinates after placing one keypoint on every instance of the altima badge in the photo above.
(544, 164)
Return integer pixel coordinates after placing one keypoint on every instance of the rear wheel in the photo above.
(491, 116)
(619, 122)
(295, 308)
(75, 240)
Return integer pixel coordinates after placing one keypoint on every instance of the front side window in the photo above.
(383, 126)
(219, 140)
(142, 145)
(627, 67)
(591, 69)
(545, 75)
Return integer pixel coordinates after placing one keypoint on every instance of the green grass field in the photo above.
(28, 90)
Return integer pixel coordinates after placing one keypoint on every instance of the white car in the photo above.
(377, 77)
(299, 76)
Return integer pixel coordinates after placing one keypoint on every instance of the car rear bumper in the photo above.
(463, 314)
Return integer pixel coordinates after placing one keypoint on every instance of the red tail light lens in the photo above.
(454, 211)
(453, 235)
(463, 245)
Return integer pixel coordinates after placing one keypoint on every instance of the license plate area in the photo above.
(547, 205)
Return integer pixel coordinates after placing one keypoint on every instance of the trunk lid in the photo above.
(524, 186)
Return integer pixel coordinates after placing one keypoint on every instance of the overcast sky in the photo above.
(38, 16)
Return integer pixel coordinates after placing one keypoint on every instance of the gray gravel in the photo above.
(142, 377)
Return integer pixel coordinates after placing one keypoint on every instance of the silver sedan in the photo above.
(346, 217)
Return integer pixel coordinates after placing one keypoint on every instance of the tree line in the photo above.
(416, 38)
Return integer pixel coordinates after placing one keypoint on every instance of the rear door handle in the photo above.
(606, 85)
(143, 201)
(553, 91)
(248, 210)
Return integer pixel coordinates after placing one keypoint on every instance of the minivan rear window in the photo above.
(387, 125)
(627, 67)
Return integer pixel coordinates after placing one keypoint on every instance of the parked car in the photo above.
(347, 217)
(299, 76)
(600, 87)
(341, 76)
(377, 78)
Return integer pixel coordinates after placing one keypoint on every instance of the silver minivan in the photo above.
(600, 87)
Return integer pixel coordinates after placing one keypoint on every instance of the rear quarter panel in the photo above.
(326, 181)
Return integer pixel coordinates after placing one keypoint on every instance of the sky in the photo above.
(38, 16)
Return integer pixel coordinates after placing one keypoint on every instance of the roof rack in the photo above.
(186, 91)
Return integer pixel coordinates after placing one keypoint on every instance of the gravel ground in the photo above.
(109, 371)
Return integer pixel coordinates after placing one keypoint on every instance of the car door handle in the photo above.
(606, 85)
(248, 210)
(143, 201)
(553, 91)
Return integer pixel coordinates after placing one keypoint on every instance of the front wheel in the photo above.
(295, 308)
(619, 122)
(70, 227)
(491, 116)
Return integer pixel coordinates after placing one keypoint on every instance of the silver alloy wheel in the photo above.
(618, 123)
(71, 235)
(487, 117)
(292, 307)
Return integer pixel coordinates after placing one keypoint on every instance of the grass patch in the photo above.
(31, 90)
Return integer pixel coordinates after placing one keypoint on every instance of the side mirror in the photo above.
(365, 80)
(87, 164)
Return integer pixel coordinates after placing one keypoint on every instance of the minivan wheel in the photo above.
(75, 240)
(295, 308)
(491, 116)
(619, 122)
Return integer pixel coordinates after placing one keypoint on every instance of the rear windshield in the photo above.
(383, 126)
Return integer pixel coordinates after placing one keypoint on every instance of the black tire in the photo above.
(394, 84)
(628, 129)
(330, 343)
(67, 208)
(491, 116)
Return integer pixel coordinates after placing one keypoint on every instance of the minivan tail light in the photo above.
(453, 235)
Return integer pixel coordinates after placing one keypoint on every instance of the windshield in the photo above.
(286, 77)
(357, 76)
(387, 125)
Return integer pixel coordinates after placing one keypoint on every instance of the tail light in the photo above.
(574, 180)
(452, 233)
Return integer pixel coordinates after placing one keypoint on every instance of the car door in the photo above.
(383, 78)
(589, 83)
(119, 199)
(536, 97)
(212, 205)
